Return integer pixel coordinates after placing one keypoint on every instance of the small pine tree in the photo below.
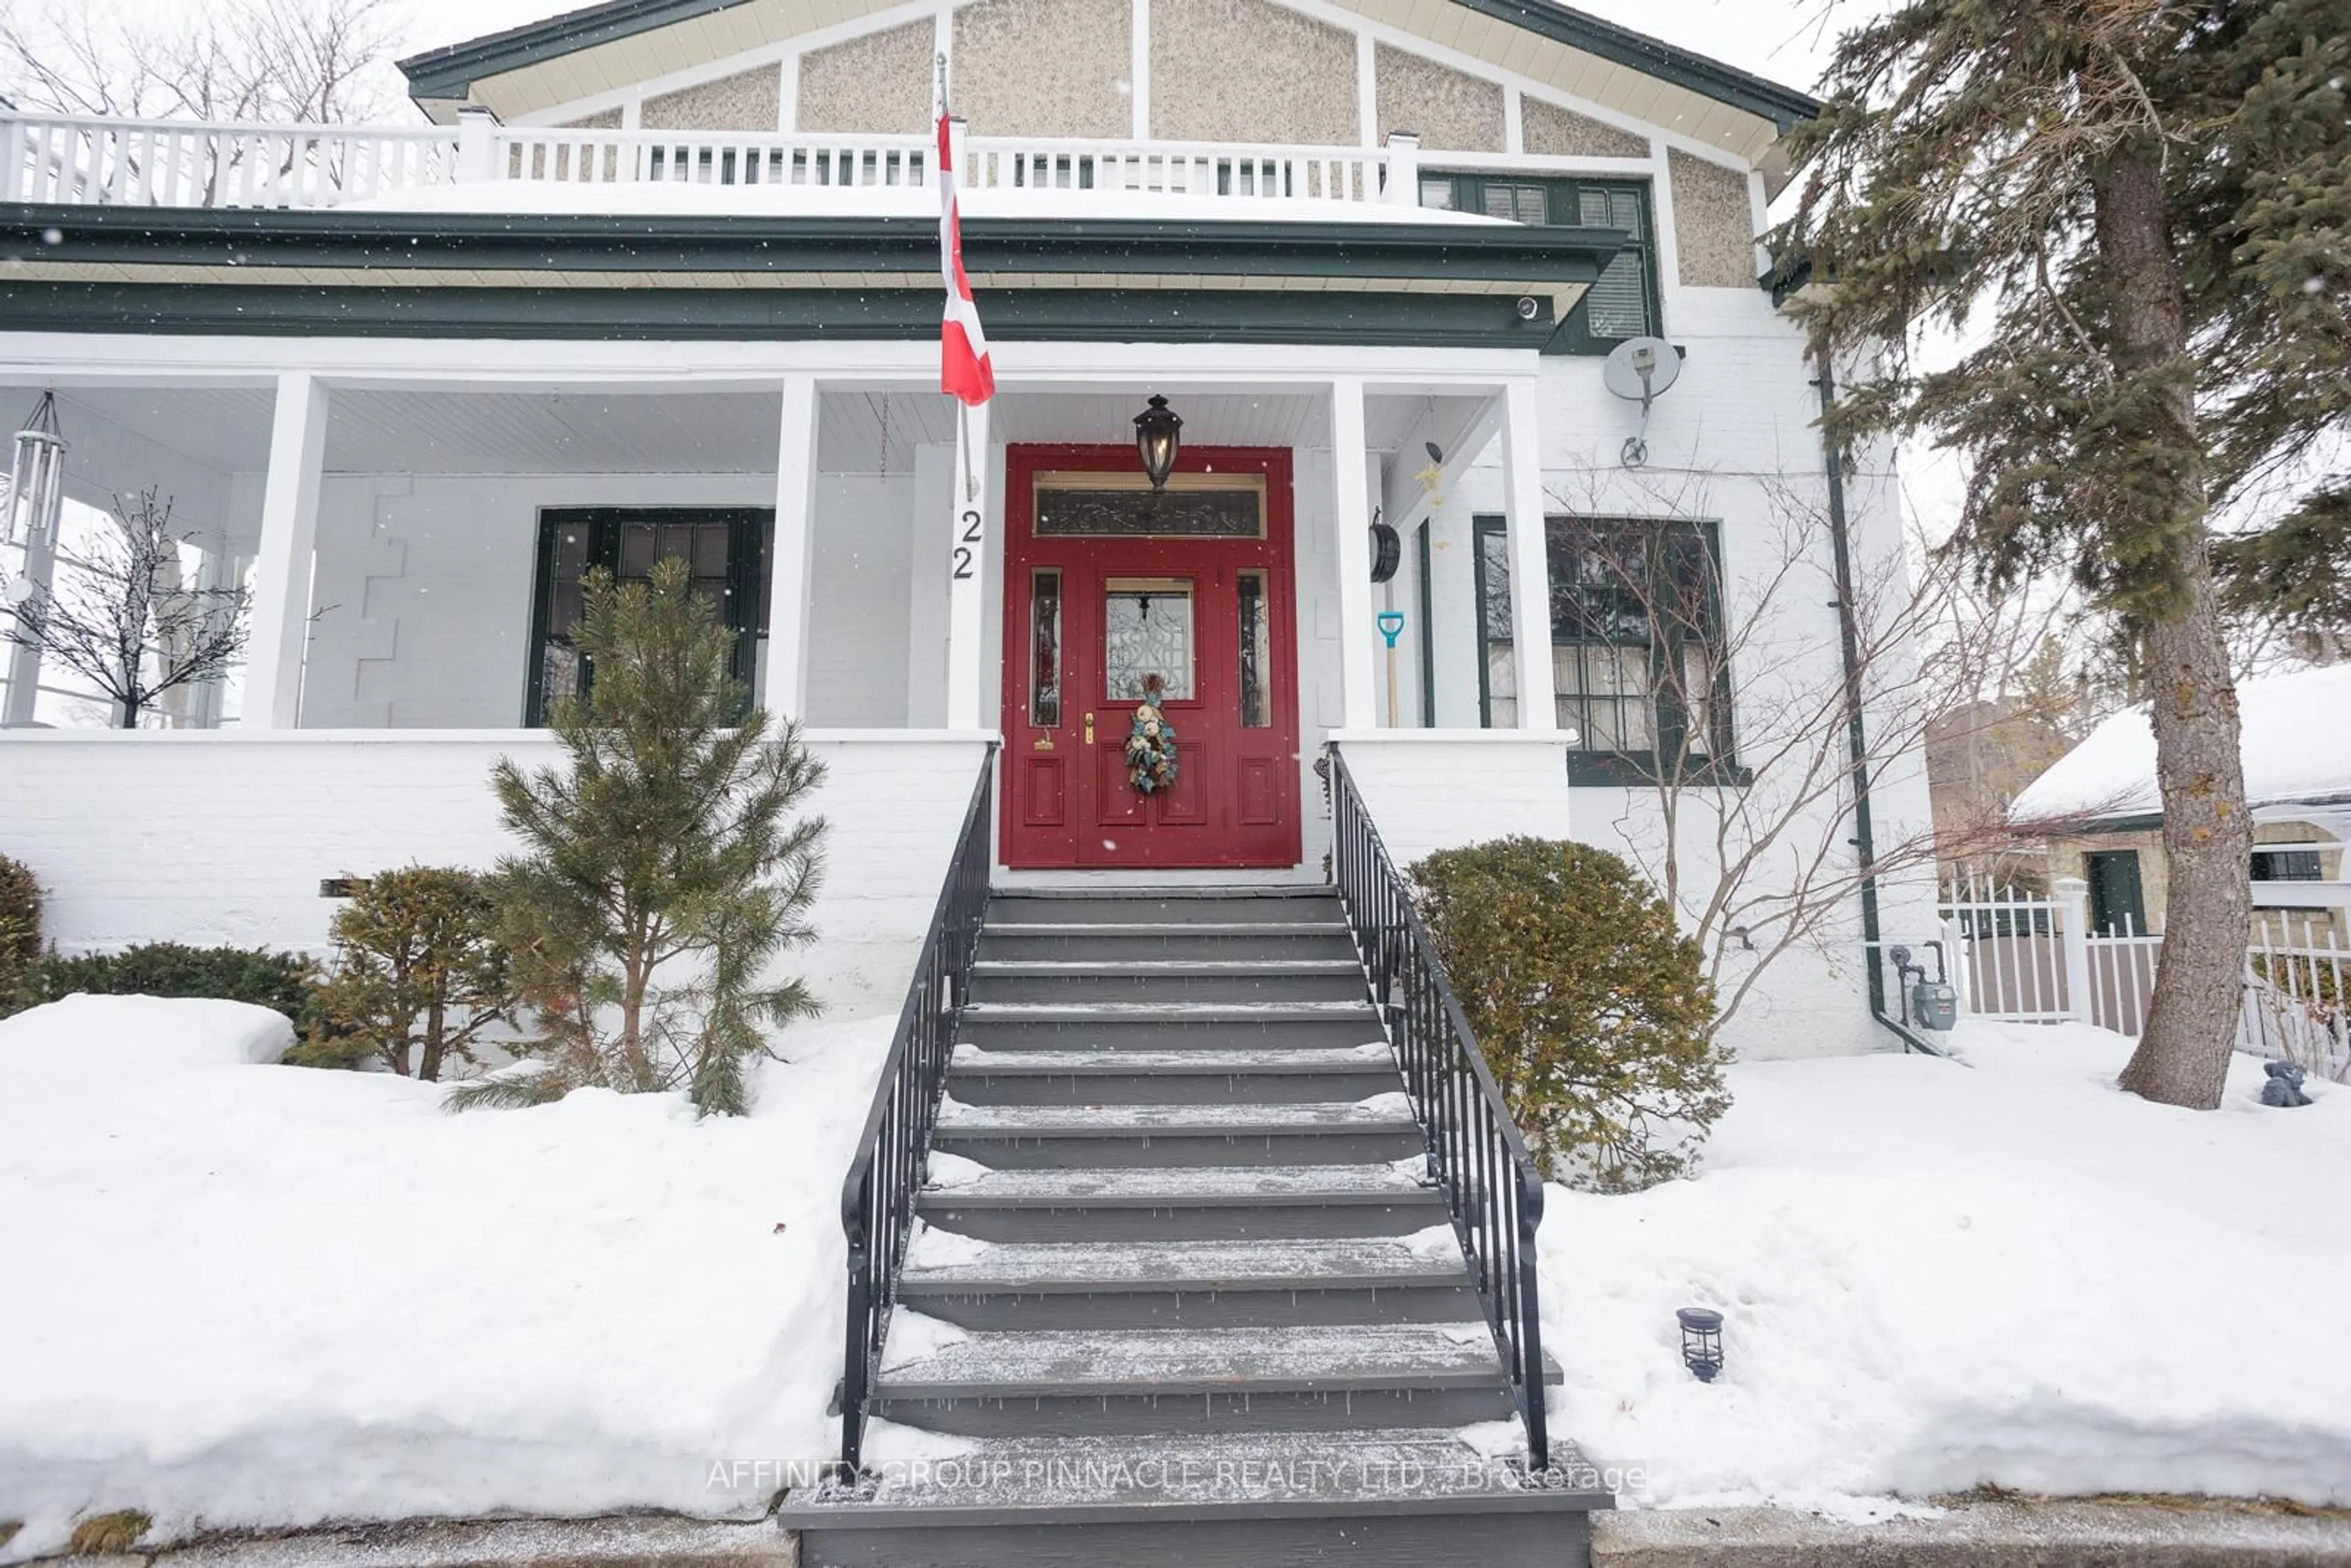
(418, 979)
(1591, 1008)
(661, 876)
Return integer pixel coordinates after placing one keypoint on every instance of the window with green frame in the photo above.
(1623, 303)
(726, 545)
(1638, 665)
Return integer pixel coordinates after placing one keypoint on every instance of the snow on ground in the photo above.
(251, 1294)
(1936, 1275)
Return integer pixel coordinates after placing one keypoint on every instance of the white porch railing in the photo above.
(98, 161)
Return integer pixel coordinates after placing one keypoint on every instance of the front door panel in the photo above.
(1107, 586)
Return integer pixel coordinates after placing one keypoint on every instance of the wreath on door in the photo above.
(1151, 743)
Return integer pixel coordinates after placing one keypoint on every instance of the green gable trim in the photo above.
(1525, 257)
(752, 315)
(449, 73)
(1783, 106)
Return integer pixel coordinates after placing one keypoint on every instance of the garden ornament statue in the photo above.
(1151, 743)
(2285, 1084)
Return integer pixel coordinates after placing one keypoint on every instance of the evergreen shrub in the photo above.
(281, 980)
(20, 928)
(418, 979)
(1593, 1010)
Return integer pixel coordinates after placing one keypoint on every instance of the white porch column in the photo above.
(1530, 562)
(1351, 515)
(792, 569)
(39, 568)
(966, 571)
(290, 535)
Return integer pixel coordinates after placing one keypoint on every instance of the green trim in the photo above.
(1784, 107)
(740, 315)
(606, 242)
(449, 73)
(1469, 190)
(1427, 629)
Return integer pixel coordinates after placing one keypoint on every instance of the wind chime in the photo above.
(37, 491)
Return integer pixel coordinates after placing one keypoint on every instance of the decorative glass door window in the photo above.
(1256, 656)
(1045, 650)
(1147, 630)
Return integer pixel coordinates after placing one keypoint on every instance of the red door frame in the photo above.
(1024, 840)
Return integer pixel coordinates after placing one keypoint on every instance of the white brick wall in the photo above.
(224, 838)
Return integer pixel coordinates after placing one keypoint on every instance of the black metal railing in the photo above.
(877, 1201)
(1475, 1152)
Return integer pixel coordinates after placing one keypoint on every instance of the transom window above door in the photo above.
(726, 547)
(1123, 506)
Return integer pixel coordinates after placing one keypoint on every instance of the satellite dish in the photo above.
(1639, 370)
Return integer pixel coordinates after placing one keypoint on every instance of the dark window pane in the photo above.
(710, 552)
(637, 544)
(1494, 562)
(1436, 192)
(2286, 865)
(1617, 305)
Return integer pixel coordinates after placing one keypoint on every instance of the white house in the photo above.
(661, 277)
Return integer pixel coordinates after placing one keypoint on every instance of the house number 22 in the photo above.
(966, 549)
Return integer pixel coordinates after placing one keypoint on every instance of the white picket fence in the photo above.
(2021, 956)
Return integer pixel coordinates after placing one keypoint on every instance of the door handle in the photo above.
(1089, 729)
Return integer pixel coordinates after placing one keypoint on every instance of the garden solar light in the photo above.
(1701, 1341)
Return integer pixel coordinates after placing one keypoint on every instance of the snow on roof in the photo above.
(2297, 748)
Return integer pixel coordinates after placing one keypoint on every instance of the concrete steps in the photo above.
(1180, 1219)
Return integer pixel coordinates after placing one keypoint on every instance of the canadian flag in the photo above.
(964, 367)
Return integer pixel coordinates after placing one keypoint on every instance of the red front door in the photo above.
(1107, 586)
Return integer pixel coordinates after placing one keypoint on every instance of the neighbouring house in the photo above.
(2098, 812)
(1979, 757)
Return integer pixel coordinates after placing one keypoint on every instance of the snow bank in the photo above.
(1936, 1275)
(260, 1295)
(120, 1036)
(2295, 747)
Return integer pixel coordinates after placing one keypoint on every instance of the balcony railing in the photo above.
(85, 161)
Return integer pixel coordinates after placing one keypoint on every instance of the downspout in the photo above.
(1856, 738)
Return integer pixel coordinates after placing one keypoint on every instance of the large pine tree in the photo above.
(2140, 210)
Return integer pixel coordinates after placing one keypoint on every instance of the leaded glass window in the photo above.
(1147, 630)
(1256, 655)
(1045, 650)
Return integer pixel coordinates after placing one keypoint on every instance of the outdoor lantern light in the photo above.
(1156, 437)
(37, 485)
(1701, 1341)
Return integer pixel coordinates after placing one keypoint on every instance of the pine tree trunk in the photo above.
(2183, 1051)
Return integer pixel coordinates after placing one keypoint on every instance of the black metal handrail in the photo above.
(1481, 1162)
(877, 1201)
